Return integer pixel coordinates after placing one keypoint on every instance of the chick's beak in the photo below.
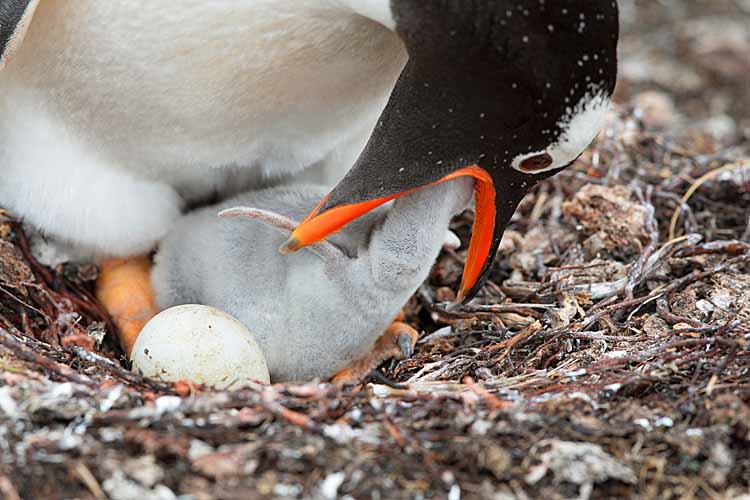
(320, 224)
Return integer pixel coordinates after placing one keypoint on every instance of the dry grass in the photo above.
(607, 357)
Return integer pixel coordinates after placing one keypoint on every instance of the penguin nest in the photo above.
(608, 355)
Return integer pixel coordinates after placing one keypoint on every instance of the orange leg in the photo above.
(124, 288)
(397, 342)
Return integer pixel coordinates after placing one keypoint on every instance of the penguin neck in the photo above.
(376, 10)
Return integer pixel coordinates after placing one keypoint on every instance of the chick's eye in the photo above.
(536, 163)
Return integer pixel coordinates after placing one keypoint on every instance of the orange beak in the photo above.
(318, 226)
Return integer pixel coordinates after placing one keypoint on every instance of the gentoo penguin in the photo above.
(115, 115)
(504, 92)
(320, 311)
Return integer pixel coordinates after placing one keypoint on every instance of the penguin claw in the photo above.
(398, 342)
(405, 344)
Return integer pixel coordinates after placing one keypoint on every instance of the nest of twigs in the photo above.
(608, 356)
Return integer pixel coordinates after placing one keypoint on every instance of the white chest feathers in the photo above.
(164, 85)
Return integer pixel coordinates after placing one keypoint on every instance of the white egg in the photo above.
(201, 344)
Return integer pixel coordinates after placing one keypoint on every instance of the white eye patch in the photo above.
(579, 126)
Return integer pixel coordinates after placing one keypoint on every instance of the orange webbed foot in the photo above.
(124, 288)
(397, 342)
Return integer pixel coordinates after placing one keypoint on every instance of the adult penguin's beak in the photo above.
(344, 205)
(431, 131)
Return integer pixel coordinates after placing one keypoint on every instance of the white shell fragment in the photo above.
(201, 344)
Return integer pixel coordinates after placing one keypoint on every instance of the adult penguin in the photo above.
(115, 115)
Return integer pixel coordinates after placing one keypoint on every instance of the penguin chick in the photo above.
(317, 311)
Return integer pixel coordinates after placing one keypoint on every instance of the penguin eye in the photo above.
(536, 163)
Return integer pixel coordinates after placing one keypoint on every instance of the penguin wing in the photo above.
(15, 18)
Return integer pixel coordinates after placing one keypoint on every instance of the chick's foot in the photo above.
(397, 342)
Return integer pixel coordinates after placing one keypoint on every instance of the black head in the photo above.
(515, 89)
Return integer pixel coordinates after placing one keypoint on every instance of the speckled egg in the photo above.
(201, 344)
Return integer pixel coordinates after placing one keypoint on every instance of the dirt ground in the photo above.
(608, 356)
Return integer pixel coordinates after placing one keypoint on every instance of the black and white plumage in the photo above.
(507, 92)
(116, 115)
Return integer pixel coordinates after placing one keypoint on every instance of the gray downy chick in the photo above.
(316, 311)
